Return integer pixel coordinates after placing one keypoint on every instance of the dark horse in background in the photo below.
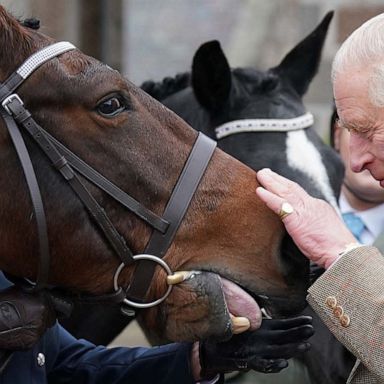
(214, 98)
(213, 95)
(141, 147)
(237, 107)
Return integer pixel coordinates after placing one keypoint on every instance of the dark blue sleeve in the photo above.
(78, 361)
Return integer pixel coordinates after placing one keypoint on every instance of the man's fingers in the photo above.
(267, 179)
(280, 185)
(273, 201)
(269, 176)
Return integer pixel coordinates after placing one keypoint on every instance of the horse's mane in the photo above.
(15, 40)
(168, 86)
(12, 32)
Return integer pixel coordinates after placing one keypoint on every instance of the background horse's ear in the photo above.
(211, 76)
(31, 23)
(300, 65)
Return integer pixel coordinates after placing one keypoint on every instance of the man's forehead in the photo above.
(351, 89)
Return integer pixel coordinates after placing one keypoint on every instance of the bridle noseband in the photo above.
(15, 115)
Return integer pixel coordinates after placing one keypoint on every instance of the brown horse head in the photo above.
(228, 237)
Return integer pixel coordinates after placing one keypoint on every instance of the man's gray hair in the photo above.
(365, 47)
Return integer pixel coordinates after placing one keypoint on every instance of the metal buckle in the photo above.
(157, 260)
(9, 100)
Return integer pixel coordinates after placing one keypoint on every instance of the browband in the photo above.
(266, 125)
(42, 56)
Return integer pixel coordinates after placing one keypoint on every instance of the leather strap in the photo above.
(24, 118)
(174, 213)
(111, 189)
(35, 195)
(10, 85)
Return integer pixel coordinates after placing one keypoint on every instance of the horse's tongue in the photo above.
(241, 304)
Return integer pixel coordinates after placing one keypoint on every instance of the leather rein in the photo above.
(17, 117)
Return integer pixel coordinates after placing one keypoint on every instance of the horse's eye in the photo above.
(111, 107)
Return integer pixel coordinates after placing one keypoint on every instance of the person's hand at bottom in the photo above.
(266, 349)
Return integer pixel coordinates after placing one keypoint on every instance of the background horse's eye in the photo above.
(111, 107)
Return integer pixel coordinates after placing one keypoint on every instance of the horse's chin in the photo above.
(205, 306)
(208, 306)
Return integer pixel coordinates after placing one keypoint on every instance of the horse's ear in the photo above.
(211, 76)
(300, 65)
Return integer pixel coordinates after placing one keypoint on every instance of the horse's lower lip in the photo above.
(240, 303)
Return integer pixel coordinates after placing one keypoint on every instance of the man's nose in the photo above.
(359, 155)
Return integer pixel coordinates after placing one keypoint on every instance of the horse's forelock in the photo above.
(262, 82)
(269, 82)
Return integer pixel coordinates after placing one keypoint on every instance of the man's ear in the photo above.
(336, 136)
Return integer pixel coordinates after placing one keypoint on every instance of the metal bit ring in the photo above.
(155, 259)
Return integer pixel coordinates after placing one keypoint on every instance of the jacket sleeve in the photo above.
(78, 361)
(349, 298)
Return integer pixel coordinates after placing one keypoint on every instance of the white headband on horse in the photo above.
(267, 125)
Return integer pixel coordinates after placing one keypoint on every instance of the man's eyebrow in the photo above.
(345, 125)
(354, 126)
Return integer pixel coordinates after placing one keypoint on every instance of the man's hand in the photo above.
(265, 350)
(315, 226)
(24, 317)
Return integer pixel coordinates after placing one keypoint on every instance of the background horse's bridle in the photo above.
(15, 115)
(264, 125)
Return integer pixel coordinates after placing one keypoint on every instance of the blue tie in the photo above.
(354, 223)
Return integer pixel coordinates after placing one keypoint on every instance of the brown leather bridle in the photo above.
(16, 116)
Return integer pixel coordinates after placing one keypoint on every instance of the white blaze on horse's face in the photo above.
(304, 156)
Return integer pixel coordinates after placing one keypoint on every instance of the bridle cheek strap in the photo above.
(35, 194)
(174, 213)
(6, 89)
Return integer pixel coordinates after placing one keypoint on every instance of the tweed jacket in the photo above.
(349, 298)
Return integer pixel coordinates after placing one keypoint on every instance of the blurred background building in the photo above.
(151, 39)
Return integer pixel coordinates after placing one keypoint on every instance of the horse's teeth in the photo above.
(180, 276)
(239, 324)
(177, 277)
